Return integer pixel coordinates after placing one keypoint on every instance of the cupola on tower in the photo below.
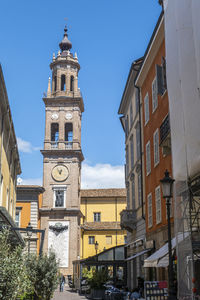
(62, 157)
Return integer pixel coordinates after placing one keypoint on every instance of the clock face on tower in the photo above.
(60, 173)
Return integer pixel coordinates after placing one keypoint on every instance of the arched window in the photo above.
(68, 132)
(54, 132)
(63, 82)
(71, 83)
(55, 83)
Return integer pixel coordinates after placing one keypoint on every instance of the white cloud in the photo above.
(25, 146)
(29, 181)
(102, 176)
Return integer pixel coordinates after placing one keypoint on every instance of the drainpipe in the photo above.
(138, 89)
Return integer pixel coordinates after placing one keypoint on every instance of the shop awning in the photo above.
(160, 258)
(153, 260)
(138, 254)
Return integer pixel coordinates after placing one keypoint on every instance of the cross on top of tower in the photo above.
(65, 45)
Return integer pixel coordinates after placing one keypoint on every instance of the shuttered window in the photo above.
(132, 151)
(156, 147)
(158, 205)
(146, 108)
(150, 216)
(148, 158)
(154, 95)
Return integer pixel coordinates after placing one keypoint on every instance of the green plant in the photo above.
(98, 279)
(14, 280)
(42, 272)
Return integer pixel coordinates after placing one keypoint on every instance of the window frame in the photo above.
(91, 238)
(94, 216)
(158, 205)
(150, 210)
(156, 147)
(154, 95)
(132, 151)
(146, 111)
(61, 188)
(148, 158)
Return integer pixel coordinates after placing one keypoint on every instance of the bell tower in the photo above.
(62, 157)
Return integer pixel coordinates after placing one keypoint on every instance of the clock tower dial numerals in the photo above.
(60, 173)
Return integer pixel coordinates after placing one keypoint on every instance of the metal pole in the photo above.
(28, 246)
(171, 292)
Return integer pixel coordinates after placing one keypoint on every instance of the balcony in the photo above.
(128, 219)
(165, 136)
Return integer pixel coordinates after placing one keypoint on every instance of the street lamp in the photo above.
(96, 245)
(167, 189)
(29, 234)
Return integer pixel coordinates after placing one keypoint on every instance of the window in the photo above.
(132, 151)
(127, 161)
(148, 159)
(161, 77)
(71, 83)
(137, 101)
(108, 240)
(17, 218)
(138, 140)
(131, 115)
(139, 189)
(55, 83)
(146, 108)
(59, 196)
(158, 205)
(69, 135)
(54, 132)
(150, 217)
(156, 147)
(125, 239)
(97, 217)
(126, 126)
(128, 194)
(91, 240)
(154, 95)
(62, 82)
(133, 194)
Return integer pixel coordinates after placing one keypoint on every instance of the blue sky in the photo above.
(107, 36)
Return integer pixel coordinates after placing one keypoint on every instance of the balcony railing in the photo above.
(68, 145)
(128, 219)
(165, 136)
(62, 145)
(54, 145)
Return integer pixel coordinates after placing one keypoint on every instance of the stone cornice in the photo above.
(63, 100)
(63, 153)
(60, 211)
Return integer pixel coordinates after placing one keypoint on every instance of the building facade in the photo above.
(62, 157)
(100, 225)
(29, 201)
(9, 160)
(133, 217)
(151, 80)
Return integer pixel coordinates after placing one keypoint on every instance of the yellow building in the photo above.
(9, 161)
(29, 201)
(101, 220)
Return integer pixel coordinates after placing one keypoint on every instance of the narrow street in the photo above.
(68, 294)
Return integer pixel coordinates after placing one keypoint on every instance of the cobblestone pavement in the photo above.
(67, 295)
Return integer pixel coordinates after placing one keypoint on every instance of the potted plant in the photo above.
(97, 282)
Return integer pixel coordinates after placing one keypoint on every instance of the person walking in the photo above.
(62, 282)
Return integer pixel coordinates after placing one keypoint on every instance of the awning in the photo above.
(160, 258)
(138, 254)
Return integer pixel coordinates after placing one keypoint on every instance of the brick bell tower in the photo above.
(62, 157)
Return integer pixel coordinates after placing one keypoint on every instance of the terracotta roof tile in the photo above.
(101, 226)
(103, 193)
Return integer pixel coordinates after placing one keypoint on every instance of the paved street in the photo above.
(67, 295)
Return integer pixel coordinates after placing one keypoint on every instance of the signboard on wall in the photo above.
(155, 290)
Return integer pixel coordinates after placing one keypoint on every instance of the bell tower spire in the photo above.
(62, 157)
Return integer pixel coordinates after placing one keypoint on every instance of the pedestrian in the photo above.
(135, 294)
(62, 282)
